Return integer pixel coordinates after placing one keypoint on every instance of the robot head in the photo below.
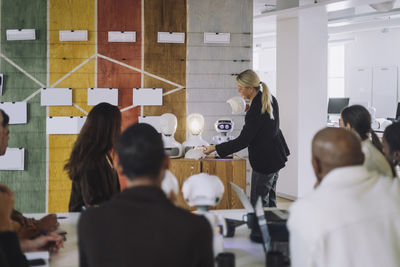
(195, 123)
(170, 183)
(224, 125)
(168, 124)
(238, 104)
(203, 190)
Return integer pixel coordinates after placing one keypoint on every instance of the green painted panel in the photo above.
(29, 185)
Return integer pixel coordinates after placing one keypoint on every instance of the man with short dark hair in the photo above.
(352, 218)
(140, 226)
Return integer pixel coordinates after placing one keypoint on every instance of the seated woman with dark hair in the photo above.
(90, 167)
(358, 119)
(391, 145)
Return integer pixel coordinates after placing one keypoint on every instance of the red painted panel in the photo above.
(121, 15)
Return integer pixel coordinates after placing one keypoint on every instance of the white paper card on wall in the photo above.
(13, 159)
(17, 111)
(64, 125)
(152, 120)
(171, 37)
(72, 35)
(147, 96)
(217, 37)
(122, 36)
(1, 84)
(21, 34)
(99, 95)
(56, 97)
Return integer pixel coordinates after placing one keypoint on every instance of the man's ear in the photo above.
(316, 163)
(396, 156)
(117, 165)
(166, 162)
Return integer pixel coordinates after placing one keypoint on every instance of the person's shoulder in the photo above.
(305, 210)
(93, 215)
(187, 217)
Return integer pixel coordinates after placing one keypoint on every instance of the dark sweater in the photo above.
(97, 184)
(10, 251)
(141, 227)
(267, 147)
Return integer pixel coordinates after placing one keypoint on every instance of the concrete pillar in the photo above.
(302, 42)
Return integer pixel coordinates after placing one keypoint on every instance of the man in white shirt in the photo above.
(352, 218)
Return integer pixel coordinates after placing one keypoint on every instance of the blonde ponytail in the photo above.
(266, 100)
(249, 78)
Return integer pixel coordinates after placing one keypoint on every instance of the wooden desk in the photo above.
(228, 170)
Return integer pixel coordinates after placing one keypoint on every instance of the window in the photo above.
(336, 66)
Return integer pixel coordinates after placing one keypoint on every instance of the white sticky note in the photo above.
(17, 111)
(147, 96)
(64, 125)
(56, 97)
(217, 38)
(122, 36)
(152, 120)
(171, 37)
(99, 95)
(20, 34)
(72, 35)
(13, 159)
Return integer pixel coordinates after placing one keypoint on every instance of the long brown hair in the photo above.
(249, 78)
(98, 137)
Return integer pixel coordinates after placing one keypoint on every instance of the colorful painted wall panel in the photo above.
(20, 60)
(166, 60)
(71, 65)
(28, 65)
(123, 15)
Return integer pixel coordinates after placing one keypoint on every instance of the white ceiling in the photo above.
(361, 16)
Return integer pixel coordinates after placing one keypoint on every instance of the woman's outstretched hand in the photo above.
(208, 149)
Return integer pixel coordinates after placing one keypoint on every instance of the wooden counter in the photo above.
(228, 170)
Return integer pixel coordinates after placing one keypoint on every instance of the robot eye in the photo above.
(221, 126)
(227, 126)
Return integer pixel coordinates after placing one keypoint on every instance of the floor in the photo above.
(284, 203)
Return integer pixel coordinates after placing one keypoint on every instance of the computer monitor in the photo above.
(336, 105)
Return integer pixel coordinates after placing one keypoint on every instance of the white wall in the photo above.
(372, 49)
(302, 93)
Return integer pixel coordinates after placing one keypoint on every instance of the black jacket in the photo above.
(267, 147)
(97, 184)
(10, 251)
(141, 227)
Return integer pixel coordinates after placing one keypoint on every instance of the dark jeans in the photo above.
(264, 185)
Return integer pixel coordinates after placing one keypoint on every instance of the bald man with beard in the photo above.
(352, 218)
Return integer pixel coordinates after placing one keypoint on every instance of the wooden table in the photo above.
(228, 170)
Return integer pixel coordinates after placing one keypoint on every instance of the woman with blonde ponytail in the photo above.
(261, 134)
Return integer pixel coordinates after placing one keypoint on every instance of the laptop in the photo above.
(272, 215)
(276, 251)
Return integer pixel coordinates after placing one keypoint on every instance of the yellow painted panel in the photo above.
(64, 58)
(70, 15)
(79, 81)
(59, 183)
